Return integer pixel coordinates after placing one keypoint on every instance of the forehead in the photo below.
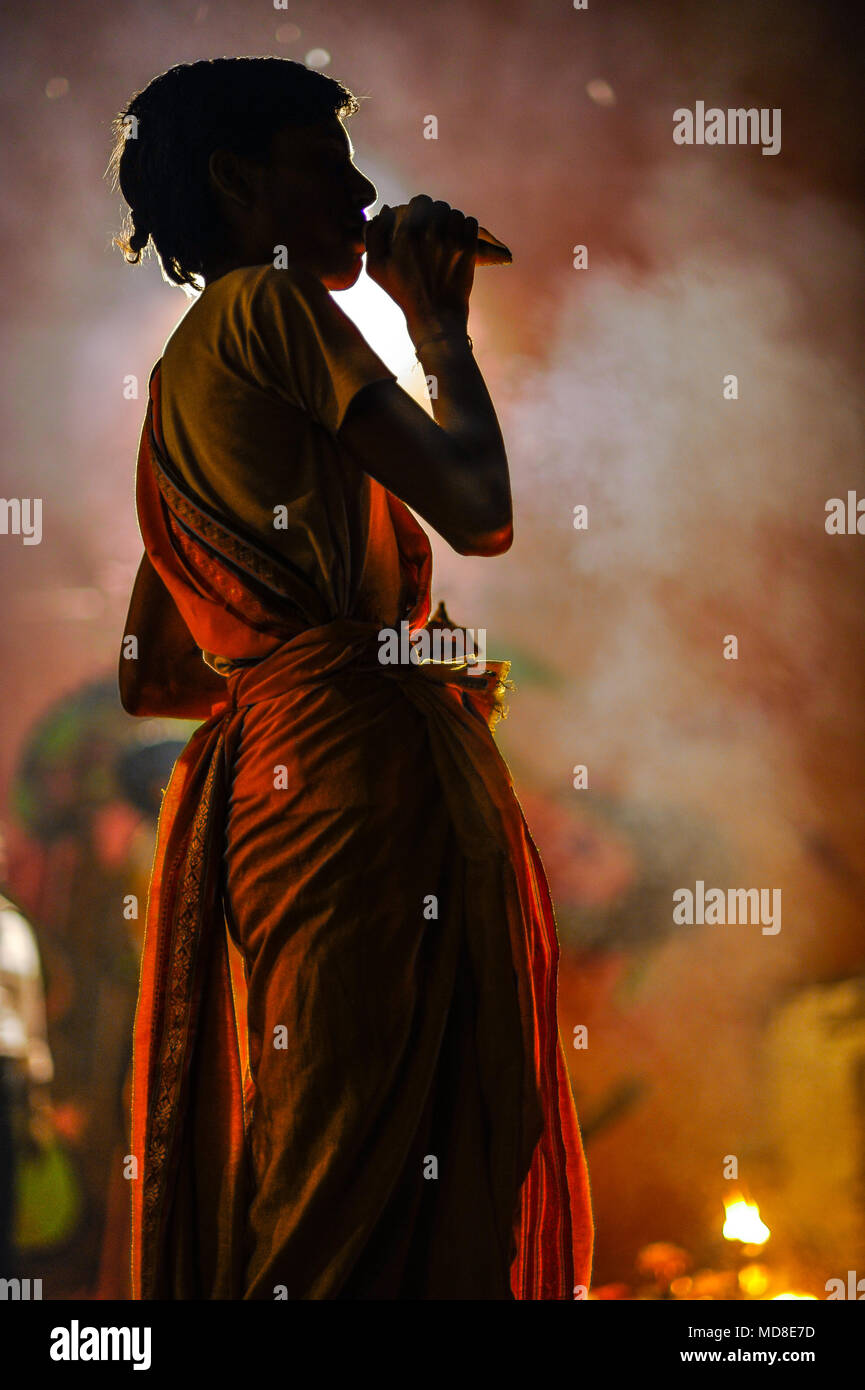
(314, 140)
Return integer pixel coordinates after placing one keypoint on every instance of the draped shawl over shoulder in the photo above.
(304, 691)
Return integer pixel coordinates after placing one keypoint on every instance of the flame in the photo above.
(743, 1222)
(778, 1296)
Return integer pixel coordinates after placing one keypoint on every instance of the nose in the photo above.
(367, 191)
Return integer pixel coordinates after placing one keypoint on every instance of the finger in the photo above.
(418, 214)
(464, 237)
(385, 219)
(459, 231)
(439, 220)
(470, 236)
(467, 257)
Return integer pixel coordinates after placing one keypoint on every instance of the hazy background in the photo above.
(706, 518)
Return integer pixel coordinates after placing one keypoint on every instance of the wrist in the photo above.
(435, 325)
(448, 341)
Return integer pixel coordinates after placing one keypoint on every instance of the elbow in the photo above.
(133, 703)
(129, 695)
(488, 543)
(135, 697)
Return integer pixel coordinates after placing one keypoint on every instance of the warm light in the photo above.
(743, 1223)
(754, 1280)
(778, 1296)
(382, 323)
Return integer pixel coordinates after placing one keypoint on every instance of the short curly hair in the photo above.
(165, 136)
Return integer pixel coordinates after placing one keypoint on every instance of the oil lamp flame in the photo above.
(743, 1223)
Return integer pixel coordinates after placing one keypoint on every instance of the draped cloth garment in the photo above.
(347, 1078)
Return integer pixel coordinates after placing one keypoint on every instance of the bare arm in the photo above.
(452, 470)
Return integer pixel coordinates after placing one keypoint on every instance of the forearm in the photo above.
(462, 407)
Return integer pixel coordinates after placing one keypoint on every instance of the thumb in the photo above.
(379, 231)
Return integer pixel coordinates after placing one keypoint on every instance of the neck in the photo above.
(216, 269)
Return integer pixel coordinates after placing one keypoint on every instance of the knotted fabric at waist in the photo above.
(460, 703)
(320, 653)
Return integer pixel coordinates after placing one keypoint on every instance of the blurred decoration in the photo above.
(613, 867)
(48, 1198)
(664, 1262)
(817, 1036)
(65, 769)
(86, 796)
(68, 768)
(615, 1103)
(528, 668)
(143, 772)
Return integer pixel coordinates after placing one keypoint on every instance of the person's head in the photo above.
(224, 161)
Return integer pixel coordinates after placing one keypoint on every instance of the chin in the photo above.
(345, 277)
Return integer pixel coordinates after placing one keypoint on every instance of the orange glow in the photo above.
(754, 1280)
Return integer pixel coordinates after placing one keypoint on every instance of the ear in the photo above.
(232, 176)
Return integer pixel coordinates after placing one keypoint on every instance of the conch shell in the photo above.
(490, 250)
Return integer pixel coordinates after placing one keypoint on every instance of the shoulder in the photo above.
(249, 316)
(250, 292)
(265, 309)
(282, 330)
(254, 285)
